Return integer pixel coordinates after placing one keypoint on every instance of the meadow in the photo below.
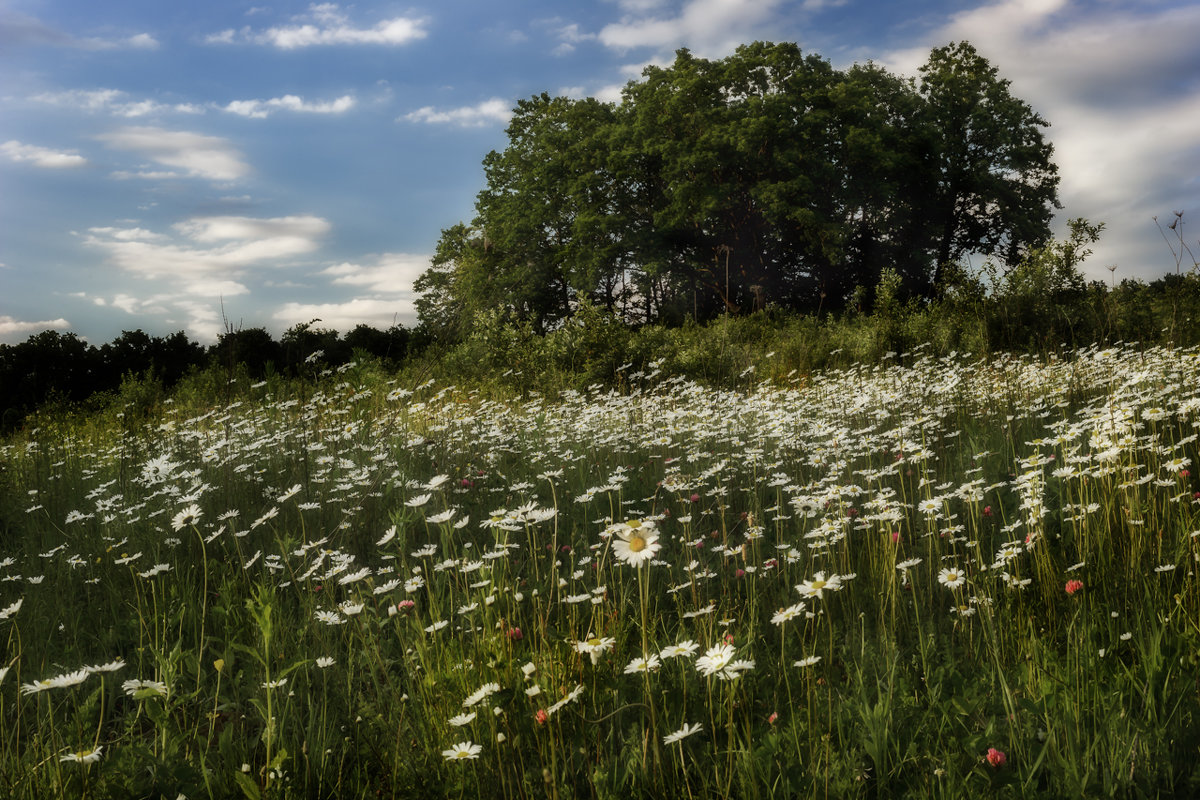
(935, 576)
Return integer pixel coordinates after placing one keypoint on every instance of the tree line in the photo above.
(764, 178)
(53, 366)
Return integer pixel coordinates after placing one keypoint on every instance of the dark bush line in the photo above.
(52, 368)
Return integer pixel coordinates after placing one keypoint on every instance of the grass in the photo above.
(932, 577)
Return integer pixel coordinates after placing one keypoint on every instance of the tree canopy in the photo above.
(767, 177)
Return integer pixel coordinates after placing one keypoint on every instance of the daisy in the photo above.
(819, 585)
(635, 545)
(324, 662)
(806, 662)
(7, 613)
(111, 666)
(685, 649)
(595, 646)
(134, 686)
(57, 682)
(462, 750)
(788, 614)
(642, 664)
(185, 518)
(681, 734)
(481, 694)
(83, 756)
(460, 720)
(715, 659)
(951, 578)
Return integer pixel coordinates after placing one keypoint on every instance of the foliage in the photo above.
(764, 178)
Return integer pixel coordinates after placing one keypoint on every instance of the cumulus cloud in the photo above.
(200, 262)
(488, 112)
(393, 272)
(41, 156)
(217, 249)
(325, 24)
(373, 311)
(382, 288)
(196, 154)
(10, 326)
(709, 27)
(260, 109)
(1121, 89)
(113, 101)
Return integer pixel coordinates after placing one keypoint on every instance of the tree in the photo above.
(996, 186)
(764, 177)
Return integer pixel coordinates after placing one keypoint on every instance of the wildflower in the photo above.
(460, 720)
(7, 613)
(681, 734)
(436, 626)
(462, 750)
(819, 585)
(636, 542)
(951, 578)
(595, 646)
(111, 666)
(996, 758)
(136, 686)
(481, 694)
(806, 662)
(541, 716)
(685, 649)
(324, 662)
(274, 684)
(330, 617)
(83, 756)
(787, 614)
(642, 664)
(715, 660)
(186, 517)
(57, 682)
(289, 494)
(1073, 586)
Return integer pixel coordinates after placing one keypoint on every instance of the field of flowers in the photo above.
(932, 578)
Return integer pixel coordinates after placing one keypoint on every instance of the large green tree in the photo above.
(764, 177)
(997, 186)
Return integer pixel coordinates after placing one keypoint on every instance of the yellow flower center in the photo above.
(637, 544)
(634, 523)
(818, 584)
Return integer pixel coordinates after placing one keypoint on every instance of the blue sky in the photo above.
(170, 166)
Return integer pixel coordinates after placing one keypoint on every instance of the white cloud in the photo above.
(709, 27)
(376, 312)
(142, 41)
(488, 112)
(394, 272)
(113, 101)
(202, 261)
(217, 250)
(1121, 90)
(10, 325)
(325, 24)
(198, 155)
(260, 109)
(41, 156)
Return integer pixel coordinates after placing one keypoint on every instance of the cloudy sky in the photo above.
(186, 165)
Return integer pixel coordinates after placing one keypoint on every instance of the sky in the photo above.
(203, 165)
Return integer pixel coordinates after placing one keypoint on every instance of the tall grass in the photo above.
(931, 577)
